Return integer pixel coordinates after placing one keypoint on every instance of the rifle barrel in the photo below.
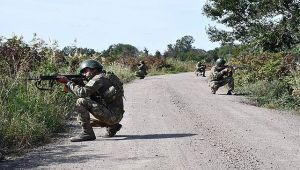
(78, 79)
(47, 77)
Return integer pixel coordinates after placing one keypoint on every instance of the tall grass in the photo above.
(173, 66)
(275, 94)
(28, 116)
(123, 72)
(272, 79)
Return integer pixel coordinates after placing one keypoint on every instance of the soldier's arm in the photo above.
(218, 73)
(90, 88)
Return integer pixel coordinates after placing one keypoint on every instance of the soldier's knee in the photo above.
(229, 79)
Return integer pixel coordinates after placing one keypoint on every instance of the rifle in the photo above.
(231, 69)
(78, 79)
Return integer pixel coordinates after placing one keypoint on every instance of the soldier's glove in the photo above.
(224, 71)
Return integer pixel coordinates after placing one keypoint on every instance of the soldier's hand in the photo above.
(62, 79)
(225, 70)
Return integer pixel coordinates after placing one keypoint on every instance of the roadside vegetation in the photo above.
(271, 79)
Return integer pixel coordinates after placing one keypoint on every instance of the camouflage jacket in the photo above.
(200, 66)
(143, 68)
(216, 73)
(94, 89)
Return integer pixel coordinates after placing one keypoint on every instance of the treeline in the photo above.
(263, 36)
(182, 50)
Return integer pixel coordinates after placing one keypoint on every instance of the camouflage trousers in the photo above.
(140, 73)
(215, 85)
(200, 71)
(104, 116)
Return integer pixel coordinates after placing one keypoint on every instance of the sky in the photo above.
(97, 24)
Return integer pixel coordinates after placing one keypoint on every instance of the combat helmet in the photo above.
(220, 62)
(90, 64)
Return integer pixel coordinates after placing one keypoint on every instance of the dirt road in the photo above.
(173, 122)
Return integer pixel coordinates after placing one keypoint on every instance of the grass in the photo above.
(174, 66)
(28, 116)
(276, 94)
(124, 73)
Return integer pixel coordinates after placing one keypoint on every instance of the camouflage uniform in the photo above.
(89, 101)
(142, 70)
(218, 79)
(200, 68)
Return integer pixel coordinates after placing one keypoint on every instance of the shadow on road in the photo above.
(49, 156)
(235, 94)
(149, 78)
(151, 136)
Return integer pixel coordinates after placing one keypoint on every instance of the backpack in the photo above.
(116, 90)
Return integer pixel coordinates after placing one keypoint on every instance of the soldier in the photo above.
(200, 69)
(221, 75)
(98, 97)
(142, 70)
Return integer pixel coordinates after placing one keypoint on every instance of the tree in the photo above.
(212, 55)
(170, 52)
(71, 50)
(120, 50)
(270, 25)
(195, 55)
(182, 46)
(157, 54)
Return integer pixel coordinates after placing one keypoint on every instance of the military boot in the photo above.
(112, 130)
(87, 134)
(230, 92)
(212, 90)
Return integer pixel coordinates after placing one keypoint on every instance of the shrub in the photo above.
(29, 116)
(266, 66)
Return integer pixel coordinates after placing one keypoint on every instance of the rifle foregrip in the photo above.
(66, 89)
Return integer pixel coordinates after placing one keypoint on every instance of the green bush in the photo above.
(272, 94)
(174, 66)
(29, 116)
(123, 72)
(272, 79)
(265, 66)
